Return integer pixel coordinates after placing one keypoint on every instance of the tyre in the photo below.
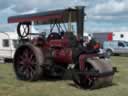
(28, 60)
(109, 53)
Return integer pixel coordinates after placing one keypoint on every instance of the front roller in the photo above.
(28, 60)
(94, 73)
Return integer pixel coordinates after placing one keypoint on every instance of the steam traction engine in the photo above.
(40, 56)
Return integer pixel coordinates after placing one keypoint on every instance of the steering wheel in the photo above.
(23, 29)
(53, 36)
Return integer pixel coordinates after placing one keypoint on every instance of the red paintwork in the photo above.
(82, 59)
(109, 37)
(61, 52)
(56, 43)
(63, 56)
(81, 62)
(34, 18)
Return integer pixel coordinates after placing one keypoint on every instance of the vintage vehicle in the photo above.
(51, 56)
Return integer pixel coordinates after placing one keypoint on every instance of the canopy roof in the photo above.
(49, 17)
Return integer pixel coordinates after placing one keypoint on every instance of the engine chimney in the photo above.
(80, 20)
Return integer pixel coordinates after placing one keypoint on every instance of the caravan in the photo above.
(8, 43)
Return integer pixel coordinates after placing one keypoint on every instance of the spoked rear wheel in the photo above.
(27, 62)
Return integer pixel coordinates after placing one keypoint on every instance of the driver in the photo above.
(90, 44)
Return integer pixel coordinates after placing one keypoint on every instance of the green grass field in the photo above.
(10, 86)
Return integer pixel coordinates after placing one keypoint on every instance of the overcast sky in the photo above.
(102, 15)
